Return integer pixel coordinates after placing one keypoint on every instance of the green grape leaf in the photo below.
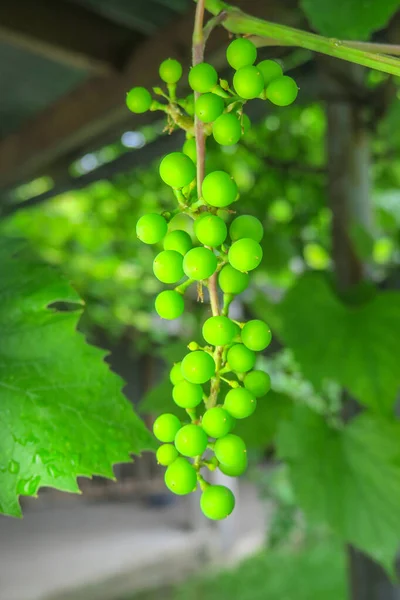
(62, 412)
(356, 346)
(349, 19)
(348, 477)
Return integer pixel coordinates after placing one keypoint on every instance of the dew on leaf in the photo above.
(27, 487)
(13, 466)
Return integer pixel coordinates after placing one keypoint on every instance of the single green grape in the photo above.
(217, 502)
(151, 228)
(198, 367)
(235, 470)
(240, 403)
(219, 331)
(282, 91)
(240, 358)
(219, 189)
(245, 255)
(256, 335)
(189, 148)
(138, 100)
(175, 374)
(169, 304)
(208, 107)
(246, 226)
(217, 422)
(181, 477)
(210, 230)
(170, 70)
(168, 266)
(230, 450)
(241, 53)
(177, 169)
(166, 427)
(191, 440)
(202, 78)
(248, 82)
(232, 281)
(187, 394)
(257, 382)
(178, 240)
(166, 454)
(188, 105)
(246, 123)
(199, 263)
(270, 70)
(227, 129)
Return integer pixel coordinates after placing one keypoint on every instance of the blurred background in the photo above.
(76, 172)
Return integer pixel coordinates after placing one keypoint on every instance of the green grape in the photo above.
(178, 240)
(230, 450)
(246, 123)
(177, 169)
(256, 335)
(198, 367)
(245, 255)
(166, 427)
(202, 78)
(282, 91)
(199, 263)
(224, 214)
(241, 53)
(169, 304)
(191, 440)
(245, 226)
(270, 70)
(232, 281)
(189, 148)
(227, 130)
(170, 70)
(210, 230)
(138, 100)
(235, 470)
(257, 382)
(219, 189)
(175, 374)
(151, 228)
(208, 107)
(240, 403)
(186, 394)
(181, 477)
(248, 82)
(217, 502)
(166, 454)
(219, 331)
(167, 266)
(240, 358)
(217, 422)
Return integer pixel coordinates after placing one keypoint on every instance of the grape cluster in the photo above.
(225, 252)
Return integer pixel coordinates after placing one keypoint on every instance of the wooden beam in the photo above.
(67, 33)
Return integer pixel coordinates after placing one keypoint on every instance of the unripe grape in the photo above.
(256, 335)
(217, 502)
(187, 395)
(246, 226)
(235, 470)
(227, 129)
(199, 263)
(202, 78)
(138, 100)
(198, 367)
(166, 454)
(246, 123)
(282, 91)
(189, 148)
(166, 427)
(191, 440)
(232, 281)
(270, 70)
(219, 331)
(217, 422)
(181, 477)
(240, 358)
(170, 70)
(245, 255)
(257, 382)
(241, 53)
(208, 107)
(240, 403)
(219, 189)
(210, 230)
(169, 304)
(230, 450)
(175, 374)
(189, 105)
(177, 169)
(248, 82)
(168, 266)
(151, 228)
(178, 240)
